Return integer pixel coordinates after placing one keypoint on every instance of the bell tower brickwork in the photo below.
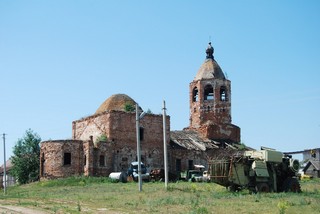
(210, 102)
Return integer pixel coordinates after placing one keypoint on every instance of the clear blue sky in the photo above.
(59, 60)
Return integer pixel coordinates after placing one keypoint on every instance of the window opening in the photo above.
(195, 96)
(208, 92)
(190, 164)
(67, 158)
(85, 160)
(223, 94)
(102, 160)
(141, 131)
(178, 165)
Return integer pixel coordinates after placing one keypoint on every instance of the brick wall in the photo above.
(92, 157)
(52, 158)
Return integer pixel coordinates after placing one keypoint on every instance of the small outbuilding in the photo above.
(312, 168)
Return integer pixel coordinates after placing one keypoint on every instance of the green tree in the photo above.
(26, 158)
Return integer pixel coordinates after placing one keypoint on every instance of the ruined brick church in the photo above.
(105, 142)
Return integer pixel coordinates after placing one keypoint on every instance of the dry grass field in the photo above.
(100, 195)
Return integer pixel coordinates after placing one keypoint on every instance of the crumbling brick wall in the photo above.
(53, 158)
(120, 129)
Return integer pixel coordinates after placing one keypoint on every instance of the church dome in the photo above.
(117, 102)
(210, 68)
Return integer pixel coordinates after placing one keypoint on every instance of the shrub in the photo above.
(128, 107)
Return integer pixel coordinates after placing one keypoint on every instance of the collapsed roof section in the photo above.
(191, 140)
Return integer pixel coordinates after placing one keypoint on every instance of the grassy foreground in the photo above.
(100, 195)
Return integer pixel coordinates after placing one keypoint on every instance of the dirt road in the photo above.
(15, 210)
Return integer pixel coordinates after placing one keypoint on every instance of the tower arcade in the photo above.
(210, 102)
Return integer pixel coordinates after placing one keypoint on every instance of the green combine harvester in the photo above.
(259, 171)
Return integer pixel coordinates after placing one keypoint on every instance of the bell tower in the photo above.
(210, 102)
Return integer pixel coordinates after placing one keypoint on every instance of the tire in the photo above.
(291, 185)
(262, 187)
(135, 178)
(233, 188)
(123, 177)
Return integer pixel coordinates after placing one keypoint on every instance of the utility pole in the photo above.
(138, 147)
(165, 146)
(4, 165)
(138, 118)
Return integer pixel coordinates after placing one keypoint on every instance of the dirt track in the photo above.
(16, 209)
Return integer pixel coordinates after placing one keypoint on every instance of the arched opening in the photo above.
(195, 96)
(223, 94)
(208, 92)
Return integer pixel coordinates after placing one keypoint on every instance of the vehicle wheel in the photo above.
(233, 188)
(291, 185)
(262, 187)
(123, 177)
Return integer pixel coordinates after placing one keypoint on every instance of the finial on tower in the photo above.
(209, 51)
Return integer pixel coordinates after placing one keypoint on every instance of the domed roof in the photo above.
(209, 70)
(117, 102)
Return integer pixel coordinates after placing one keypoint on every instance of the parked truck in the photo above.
(259, 171)
(131, 174)
(194, 175)
(133, 171)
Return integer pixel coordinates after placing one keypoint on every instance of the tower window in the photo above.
(195, 96)
(208, 92)
(223, 94)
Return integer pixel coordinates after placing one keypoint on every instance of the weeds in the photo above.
(67, 196)
(282, 206)
(79, 206)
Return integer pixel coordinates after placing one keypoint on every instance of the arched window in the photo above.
(223, 94)
(208, 92)
(195, 96)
